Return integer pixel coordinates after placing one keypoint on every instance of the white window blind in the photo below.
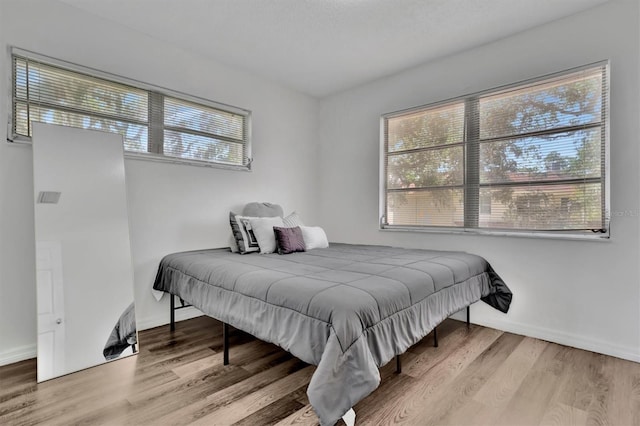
(155, 123)
(202, 133)
(425, 166)
(531, 157)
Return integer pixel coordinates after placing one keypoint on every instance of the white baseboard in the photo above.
(30, 351)
(562, 338)
(18, 354)
(163, 319)
(632, 354)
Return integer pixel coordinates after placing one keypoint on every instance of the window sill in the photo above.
(128, 155)
(499, 233)
(22, 141)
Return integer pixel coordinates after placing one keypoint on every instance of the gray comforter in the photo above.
(348, 309)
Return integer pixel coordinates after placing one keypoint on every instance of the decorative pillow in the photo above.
(233, 245)
(263, 230)
(243, 234)
(262, 210)
(314, 237)
(289, 239)
(292, 220)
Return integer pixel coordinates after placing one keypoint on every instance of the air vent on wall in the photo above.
(48, 197)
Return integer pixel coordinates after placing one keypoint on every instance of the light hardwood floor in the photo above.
(477, 376)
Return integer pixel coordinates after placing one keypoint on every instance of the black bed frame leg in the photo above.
(398, 365)
(172, 310)
(435, 336)
(225, 343)
(468, 317)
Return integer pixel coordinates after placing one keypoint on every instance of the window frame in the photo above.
(154, 92)
(470, 216)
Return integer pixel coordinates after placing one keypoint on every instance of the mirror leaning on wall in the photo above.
(84, 272)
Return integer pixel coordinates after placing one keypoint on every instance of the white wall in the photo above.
(584, 294)
(171, 207)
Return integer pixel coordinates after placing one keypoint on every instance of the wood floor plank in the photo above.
(499, 389)
(399, 408)
(81, 388)
(199, 365)
(242, 354)
(496, 392)
(630, 371)
(199, 408)
(303, 417)
(268, 360)
(255, 401)
(390, 388)
(476, 376)
(559, 414)
(530, 402)
(472, 413)
(433, 356)
(102, 414)
(616, 397)
(209, 380)
(245, 354)
(634, 409)
(18, 373)
(469, 381)
(583, 379)
(149, 361)
(154, 406)
(275, 411)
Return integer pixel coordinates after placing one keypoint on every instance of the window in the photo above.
(527, 158)
(155, 123)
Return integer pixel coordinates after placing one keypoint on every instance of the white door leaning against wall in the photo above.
(51, 324)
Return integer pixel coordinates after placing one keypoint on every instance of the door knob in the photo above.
(59, 321)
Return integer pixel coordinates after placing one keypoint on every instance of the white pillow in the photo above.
(314, 237)
(263, 230)
(292, 220)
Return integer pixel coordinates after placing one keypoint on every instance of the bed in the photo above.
(349, 309)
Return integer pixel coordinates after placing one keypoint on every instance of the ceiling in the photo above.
(320, 47)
